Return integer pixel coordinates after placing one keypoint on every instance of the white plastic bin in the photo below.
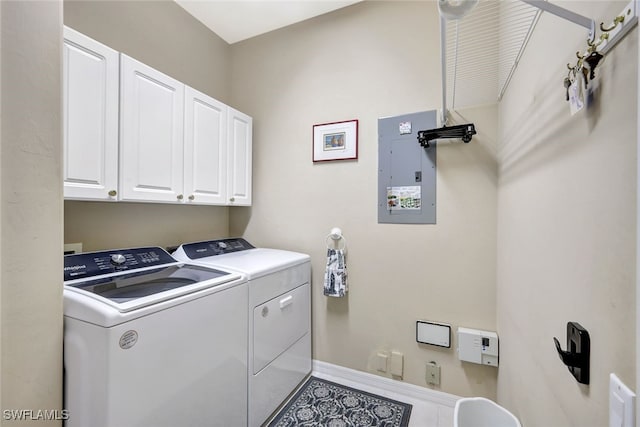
(481, 412)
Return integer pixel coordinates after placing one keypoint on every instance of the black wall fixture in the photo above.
(464, 132)
(578, 350)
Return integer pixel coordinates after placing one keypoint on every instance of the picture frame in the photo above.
(335, 141)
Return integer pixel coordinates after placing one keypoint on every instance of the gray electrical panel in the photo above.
(406, 170)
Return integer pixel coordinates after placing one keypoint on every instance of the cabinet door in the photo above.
(151, 134)
(205, 149)
(90, 118)
(240, 139)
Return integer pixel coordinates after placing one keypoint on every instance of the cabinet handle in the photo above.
(113, 193)
(233, 199)
(191, 197)
(286, 301)
(180, 196)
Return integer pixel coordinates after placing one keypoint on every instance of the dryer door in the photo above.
(278, 324)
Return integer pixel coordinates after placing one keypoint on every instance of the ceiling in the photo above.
(237, 20)
(482, 50)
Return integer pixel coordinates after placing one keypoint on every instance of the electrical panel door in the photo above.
(406, 170)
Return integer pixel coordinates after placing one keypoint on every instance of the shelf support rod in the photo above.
(566, 14)
(443, 65)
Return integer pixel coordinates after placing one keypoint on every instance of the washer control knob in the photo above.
(222, 245)
(117, 259)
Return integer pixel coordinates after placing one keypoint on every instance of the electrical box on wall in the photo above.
(438, 334)
(406, 170)
(477, 346)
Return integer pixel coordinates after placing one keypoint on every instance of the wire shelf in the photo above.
(483, 51)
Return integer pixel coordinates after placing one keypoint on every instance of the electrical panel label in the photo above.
(403, 198)
(405, 128)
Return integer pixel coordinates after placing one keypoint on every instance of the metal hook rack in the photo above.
(597, 49)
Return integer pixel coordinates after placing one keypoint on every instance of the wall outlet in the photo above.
(621, 403)
(433, 373)
(381, 361)
(397, 362)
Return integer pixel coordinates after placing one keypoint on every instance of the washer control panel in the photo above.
(78, 266)
(215, 247)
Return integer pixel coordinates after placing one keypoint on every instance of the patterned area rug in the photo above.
(322, 403)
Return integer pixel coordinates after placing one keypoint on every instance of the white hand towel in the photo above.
(335, 276)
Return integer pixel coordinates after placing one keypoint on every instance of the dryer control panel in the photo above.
(78, 266)
(215, 247)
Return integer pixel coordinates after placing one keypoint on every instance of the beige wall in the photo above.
(164, 36)
(364, 62)
(31, 208)
(100, 225)
(566, 226)
(563, 207)
(159, 33)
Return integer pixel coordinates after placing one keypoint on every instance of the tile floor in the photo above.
(423, 413)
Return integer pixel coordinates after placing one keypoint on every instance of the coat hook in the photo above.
(594, 46)
(576, 357)
(571, 71)
(618, 20)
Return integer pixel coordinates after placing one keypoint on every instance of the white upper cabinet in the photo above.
(90, 114)
(151, 134)
(205, 149)
(240, 128)
(132, 133)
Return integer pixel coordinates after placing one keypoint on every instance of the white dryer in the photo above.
(279, 314)
(149, 341)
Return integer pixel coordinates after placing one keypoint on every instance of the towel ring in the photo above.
(336, 236)
(336, 241)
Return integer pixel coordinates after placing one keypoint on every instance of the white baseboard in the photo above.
(386, 384)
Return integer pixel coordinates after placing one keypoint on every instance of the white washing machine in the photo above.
(279, 315)
(149, 341)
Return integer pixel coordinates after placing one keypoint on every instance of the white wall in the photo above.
(370, 60)
(566, 226)
(31, 208)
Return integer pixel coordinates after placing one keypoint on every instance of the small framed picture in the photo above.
(335, 141)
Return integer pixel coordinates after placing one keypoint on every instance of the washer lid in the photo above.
(134, 278)
(130, 291)
(131, 286)
(253, 262)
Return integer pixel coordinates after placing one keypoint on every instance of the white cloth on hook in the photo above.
(335, 276)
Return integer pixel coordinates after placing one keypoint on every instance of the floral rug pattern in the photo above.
(322, 403)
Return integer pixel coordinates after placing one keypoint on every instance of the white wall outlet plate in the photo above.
(397, 363)
(621, 404)
(433, 373)
(381, 361)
